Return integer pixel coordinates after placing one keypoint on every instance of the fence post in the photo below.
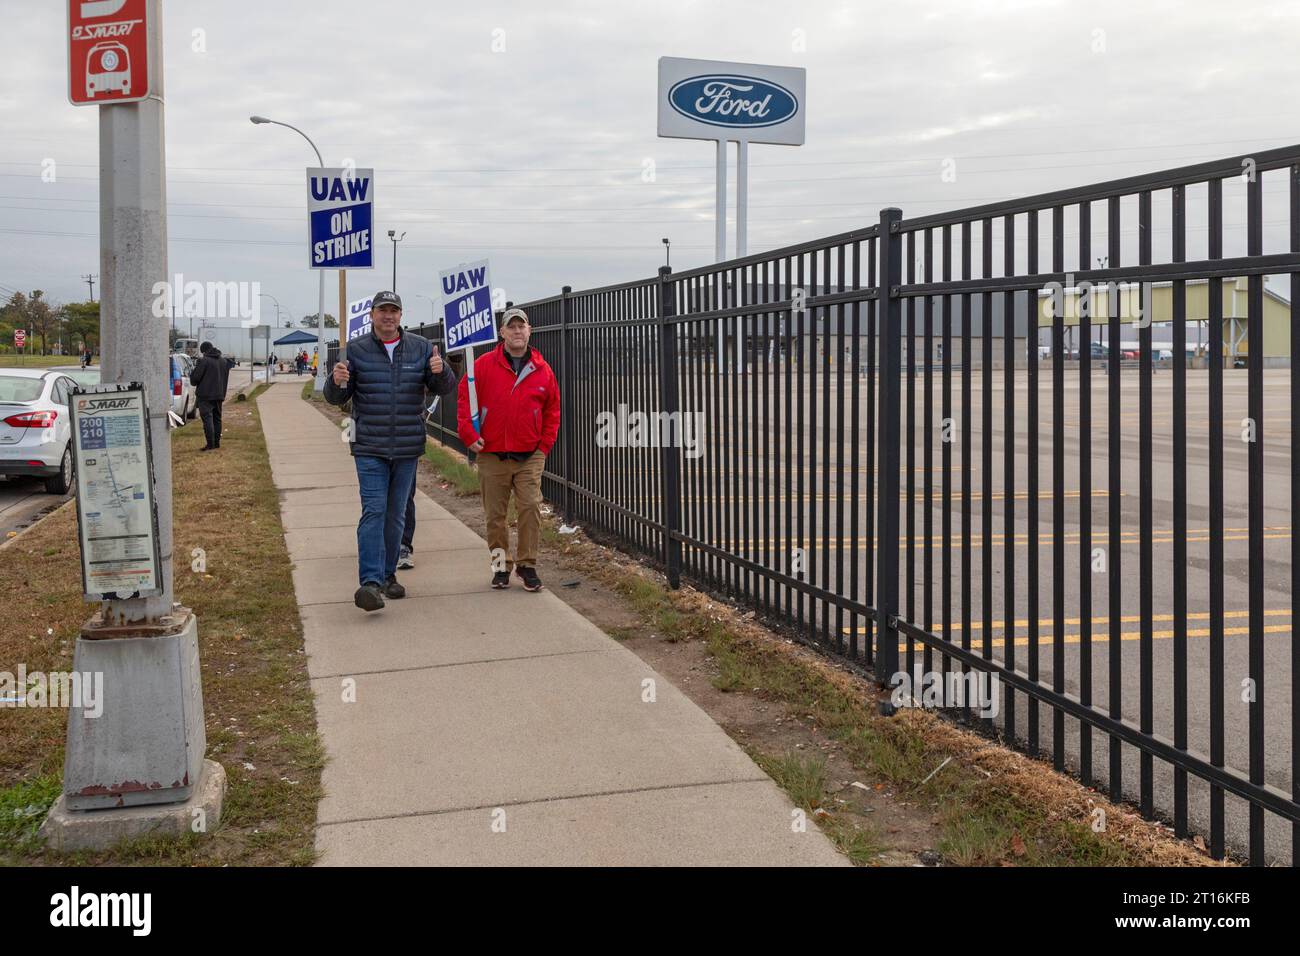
(890, 307)
(566, 406)
(670, 459)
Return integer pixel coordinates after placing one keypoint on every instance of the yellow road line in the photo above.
(1099, 537)
(1125, 636)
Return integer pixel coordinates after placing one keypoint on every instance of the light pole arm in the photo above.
(319, 161)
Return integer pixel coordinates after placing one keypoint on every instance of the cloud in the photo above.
(534, 153)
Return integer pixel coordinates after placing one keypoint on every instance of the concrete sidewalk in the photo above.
(476, 708)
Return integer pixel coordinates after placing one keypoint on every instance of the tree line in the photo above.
(74, 325)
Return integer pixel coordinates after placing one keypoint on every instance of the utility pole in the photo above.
(90, 280)
(145, 751)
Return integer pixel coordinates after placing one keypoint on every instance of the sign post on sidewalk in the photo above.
(146, 748)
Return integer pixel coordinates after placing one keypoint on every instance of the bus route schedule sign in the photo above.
(467, 305)
(116, 517)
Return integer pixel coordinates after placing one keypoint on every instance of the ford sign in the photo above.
(733, 101)
(738, 102)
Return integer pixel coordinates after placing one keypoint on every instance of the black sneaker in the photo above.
(501, 580)
(369, 597)
(529, 576)
(393, 589)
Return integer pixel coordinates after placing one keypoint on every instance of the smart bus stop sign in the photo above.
(340, 210)
(108, 51)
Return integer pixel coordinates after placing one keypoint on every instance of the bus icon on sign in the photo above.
(108, 69)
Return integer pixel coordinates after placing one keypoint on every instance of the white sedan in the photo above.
(35, 434)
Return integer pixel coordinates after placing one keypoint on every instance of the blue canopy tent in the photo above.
(298, 337)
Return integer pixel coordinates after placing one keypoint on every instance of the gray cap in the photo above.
(510, 314)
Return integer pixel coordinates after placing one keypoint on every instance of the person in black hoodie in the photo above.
(209, 379)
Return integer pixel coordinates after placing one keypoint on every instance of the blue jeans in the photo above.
(385, 485)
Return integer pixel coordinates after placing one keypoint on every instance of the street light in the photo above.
(433, 307)
(668, 252)
(320, 309)
(267, 295)
(392, 234)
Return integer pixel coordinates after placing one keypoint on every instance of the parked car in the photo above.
(185, 401)
(35, 431)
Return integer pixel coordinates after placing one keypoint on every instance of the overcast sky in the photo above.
(533, 155)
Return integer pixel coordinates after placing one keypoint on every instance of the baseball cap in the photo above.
(385, 298)
(510, 314)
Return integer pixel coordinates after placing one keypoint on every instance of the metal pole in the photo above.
(670, 455)
(720, 230)
(891, 314)
(320, 307)
(742, 198)
(566, 401)
(742, 226)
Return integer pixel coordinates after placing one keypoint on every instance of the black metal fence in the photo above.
(753, 426)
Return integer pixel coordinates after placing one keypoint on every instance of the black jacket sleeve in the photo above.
(443, 384)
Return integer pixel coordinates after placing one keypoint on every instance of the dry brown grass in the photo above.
(261, 723)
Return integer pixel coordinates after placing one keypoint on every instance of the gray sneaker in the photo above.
(404, 560)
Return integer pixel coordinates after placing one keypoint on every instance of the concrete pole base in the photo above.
(147, 745)
(68, 830)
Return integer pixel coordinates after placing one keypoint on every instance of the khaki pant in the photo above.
(497, 479)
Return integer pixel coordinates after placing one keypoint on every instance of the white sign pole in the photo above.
(473, 392)
(742, 198)
(742, 231)
(720, 205)
(720, 231)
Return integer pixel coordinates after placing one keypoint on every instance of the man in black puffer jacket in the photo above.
(385, 377)
(210, 377)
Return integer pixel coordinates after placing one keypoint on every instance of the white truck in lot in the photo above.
(241, 343)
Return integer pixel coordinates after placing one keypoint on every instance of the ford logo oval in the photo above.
(733, 101)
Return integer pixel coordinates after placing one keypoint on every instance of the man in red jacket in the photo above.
(518, 421)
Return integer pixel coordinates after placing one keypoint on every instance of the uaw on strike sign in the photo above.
(467, 305)
(340, 211)
(108, 51)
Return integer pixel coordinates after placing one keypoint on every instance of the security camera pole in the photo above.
(139, 763)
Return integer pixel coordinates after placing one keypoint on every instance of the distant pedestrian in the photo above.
(209, 378)
(385, 376)
(519, 420)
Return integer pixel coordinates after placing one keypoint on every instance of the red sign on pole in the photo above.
(20, 339)
(108, 51)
